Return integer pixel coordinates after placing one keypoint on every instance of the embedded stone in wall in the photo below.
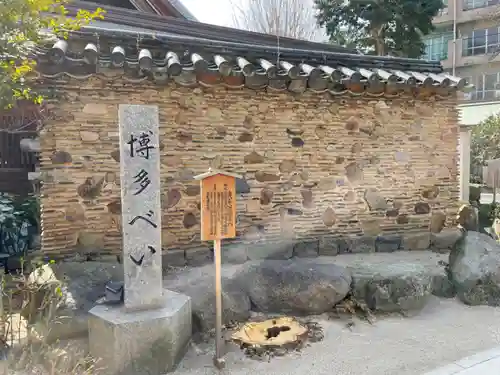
(115, 207)
(184, 174)
(91, 188)
(402, 219)
(173, 198)
(90, 241)
(329, 218)
(339, 160)
(356, 148)
(353, 172)
(214, 113)
(189, 220)
(350, 196)
(297, 142)
(193, 190)
(254, 158)
(61, 158)
(370, 227)
(172, 160)
(422, 208)
(115, 155)
(320, 131)
(95, 109)
(393, 212)
(401, 157)
(75, 212)
(242, 186)
(245, 137)
(216, 162)
(110, 177)
(327, 183)
(89, 137)
(287, 166)
(374, 160)
(248, 123)
(184, 137)
(221, 131)
(374, 200)
(431, 193)
(307, 198)
(266, 177)
(352, 124)
(266, 196)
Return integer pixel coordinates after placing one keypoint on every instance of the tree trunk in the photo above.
(378, 38)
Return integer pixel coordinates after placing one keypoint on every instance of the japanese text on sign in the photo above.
(218, 207)
(141, 146)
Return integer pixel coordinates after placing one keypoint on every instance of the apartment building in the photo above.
(467, 41)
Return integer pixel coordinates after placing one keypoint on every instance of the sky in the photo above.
(216, 12)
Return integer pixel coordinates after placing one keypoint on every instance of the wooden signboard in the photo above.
(218, 221)
(218, 207)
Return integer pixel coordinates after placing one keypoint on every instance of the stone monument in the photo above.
(150, 331)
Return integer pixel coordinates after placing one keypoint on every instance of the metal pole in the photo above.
(454, 58)
(218, 360)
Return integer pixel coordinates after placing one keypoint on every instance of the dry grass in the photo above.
(25, 352)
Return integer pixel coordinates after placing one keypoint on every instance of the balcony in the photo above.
(468, 57)
(465, 13)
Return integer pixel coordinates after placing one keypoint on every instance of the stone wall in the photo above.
(314, 166)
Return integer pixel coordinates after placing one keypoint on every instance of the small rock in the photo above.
(364, 244)
(446, 239)
(306, 249)
(416, 241)
(270, 250)
(300, 286)
(199, 257)
(234, 254)
(331, 246)
(467, 217)
(388, 244)
(438, 220)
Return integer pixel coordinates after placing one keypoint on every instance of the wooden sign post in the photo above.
(218, 221)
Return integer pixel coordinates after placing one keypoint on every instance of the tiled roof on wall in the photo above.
(190, 68)
(257, 61)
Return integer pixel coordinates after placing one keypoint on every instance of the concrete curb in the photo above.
(468, 365)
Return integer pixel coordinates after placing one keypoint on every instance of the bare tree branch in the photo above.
(286, 18)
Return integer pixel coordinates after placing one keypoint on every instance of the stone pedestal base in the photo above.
(141, 343)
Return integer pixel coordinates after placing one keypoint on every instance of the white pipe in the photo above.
(454, 57)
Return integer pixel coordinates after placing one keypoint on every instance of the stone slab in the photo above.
(141, 205)
(141, 342)
(400, 265)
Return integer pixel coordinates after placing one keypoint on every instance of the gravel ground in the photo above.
(444, 332)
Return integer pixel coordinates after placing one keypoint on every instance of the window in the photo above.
(481, 42)
(474, 4)
(436, 46)
(485, 87)
(444, 11)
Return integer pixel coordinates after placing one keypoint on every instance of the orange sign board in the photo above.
(218, 207)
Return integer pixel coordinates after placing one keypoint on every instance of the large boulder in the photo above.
(199, 284)
(61, 294)
(300, 286)
(474, 269)
(397, 282)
